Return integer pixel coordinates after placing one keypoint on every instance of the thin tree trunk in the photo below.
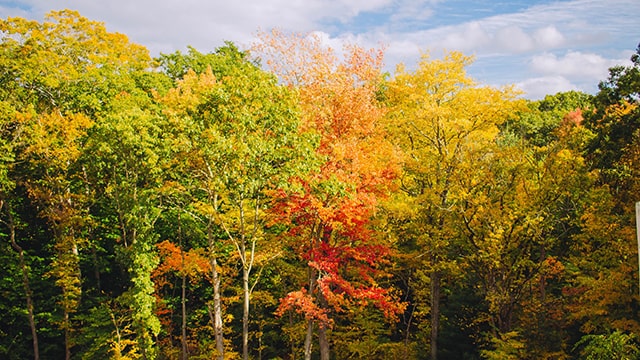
(185, 349)
(183, 299)
(246, 269)
(260, 332)
(25, 285)
(435, 313)
(408, 332)
(217, 311)
(245, 313)
(323, 337)
(67, 344)
(215, 276)
(308, 340)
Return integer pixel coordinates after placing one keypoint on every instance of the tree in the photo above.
(52, 154)
(124, 161)
(240, 131)
(616, 345)
(616, 118)
(538, 124)
(329, 215)
(604, 280)
(67, 62)
(64, 70)
(188, 264)
(444, 123)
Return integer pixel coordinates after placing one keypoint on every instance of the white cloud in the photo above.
(573, 64)
(169, 25)
(537, 88)
(412, 10)
(513, 39)
(548, 37)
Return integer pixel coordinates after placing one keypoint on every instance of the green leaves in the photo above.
(616, 345)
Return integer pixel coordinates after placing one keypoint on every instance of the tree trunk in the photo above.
(323, 337)
(185, 349)
(323, 341)
(217, 303)
(25, 285)
(183, 299)
(245, 313)
(308, 340)
(217, 311)
(67, 344)
(435, 313)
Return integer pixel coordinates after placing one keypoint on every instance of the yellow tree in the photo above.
(52, 152)
(444, 122)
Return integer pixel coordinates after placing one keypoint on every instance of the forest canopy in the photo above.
(295, 201)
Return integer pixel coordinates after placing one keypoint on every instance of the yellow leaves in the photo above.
(205, 208)
(56, 138)
(442, 119)
(189, 92)
(621, 109)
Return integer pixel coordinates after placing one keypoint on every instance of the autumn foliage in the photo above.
(332, 211)
(295, 200)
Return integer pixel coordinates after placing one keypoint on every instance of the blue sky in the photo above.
(541, 46)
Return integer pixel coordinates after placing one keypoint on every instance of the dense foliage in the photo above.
(294, 202)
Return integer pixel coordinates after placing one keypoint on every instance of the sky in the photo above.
(540, 46)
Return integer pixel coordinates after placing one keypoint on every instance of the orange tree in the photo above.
(329, 215)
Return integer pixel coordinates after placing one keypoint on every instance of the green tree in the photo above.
(66, 70)
(52, 153)
(538, 124)
(616, 118)
(240, 141)
(124, 163)
(616, 345)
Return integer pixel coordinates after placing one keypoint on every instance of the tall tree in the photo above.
(11, 126)
(241, 141)
(124, 162)
(52, 154)
(602, 288)
(616, 118)
(60, 72)
(330, 214)
(444, 122)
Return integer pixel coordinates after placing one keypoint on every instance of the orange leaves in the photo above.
(192, 263)
(338, 97)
